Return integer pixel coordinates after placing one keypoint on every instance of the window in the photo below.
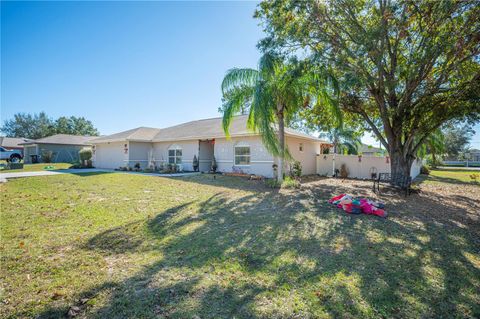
(242, 155)
(300, 147)
(175, 155)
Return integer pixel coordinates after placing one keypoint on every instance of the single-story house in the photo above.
(369, 150)
(13, 143)
(64, 147)
(475, 155)
(243, 152)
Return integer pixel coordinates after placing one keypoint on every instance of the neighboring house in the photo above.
(13, 143)
(64, 147)
(243, 152)
(475, 155)
(369, 150)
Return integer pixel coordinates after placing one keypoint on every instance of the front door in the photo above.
(205, 155)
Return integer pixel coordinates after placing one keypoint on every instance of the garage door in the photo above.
(109, 155)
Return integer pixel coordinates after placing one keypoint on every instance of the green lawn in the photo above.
(40, 167)
(452, 175)
(108, 245)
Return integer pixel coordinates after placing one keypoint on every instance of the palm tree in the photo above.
(434, 145)
(272, 94)
(343, 140)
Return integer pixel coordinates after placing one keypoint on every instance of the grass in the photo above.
(108, 245)
(446, 175)
(40, 167)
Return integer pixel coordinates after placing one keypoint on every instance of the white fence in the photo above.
(462, 163)
(359, 167)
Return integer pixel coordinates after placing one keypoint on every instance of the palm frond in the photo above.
(235, 101)
(238, 78)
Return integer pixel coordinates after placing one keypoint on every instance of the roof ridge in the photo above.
(200, 120)
(149, 127)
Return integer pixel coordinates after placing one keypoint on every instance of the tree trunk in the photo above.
(400, 167)
(281, 139)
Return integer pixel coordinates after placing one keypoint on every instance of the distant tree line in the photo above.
(35, 126)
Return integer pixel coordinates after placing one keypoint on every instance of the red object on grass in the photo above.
(331, 200)
(366, 207)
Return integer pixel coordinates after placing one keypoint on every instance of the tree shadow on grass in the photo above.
(272, 254)
(438, 179)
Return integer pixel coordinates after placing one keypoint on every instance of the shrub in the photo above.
(148, 170)
(47, 156)
(343, 171)
(172, 168)
(137, 166)
(272, 183)
(290, 182)
(85, 154)
(15, 166)
(424, 170)
(295, 169)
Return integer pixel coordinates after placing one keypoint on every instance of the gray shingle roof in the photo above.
(203, 129)
(12, 142)
(64, 139)
(140, 134)
(200, 129)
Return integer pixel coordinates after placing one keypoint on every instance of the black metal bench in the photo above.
(400, 181)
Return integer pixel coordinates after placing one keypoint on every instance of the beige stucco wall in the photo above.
(307, 157)
(110, 155)
(189, 149)
(138, 152)
(360, 167)
(261, 160)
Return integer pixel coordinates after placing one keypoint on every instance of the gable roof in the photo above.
(64, 139)
(12, 142)
(213, 128)
(139, 134)
(203, 129)
(193, 130)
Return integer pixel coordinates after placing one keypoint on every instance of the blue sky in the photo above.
(124, 64)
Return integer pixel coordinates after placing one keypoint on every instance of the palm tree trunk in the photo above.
(281, 139)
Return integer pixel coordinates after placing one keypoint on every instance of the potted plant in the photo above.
(214, 165)
(275, 169)
(195, 163)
